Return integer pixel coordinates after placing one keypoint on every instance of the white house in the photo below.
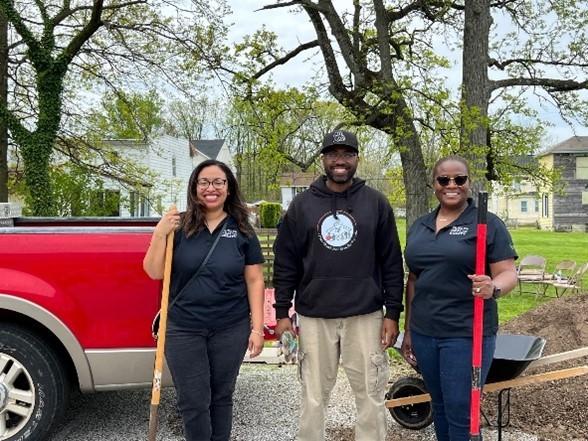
(171, 160)
(203, 149)
(293, 183)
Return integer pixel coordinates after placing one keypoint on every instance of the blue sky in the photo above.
(293, 29)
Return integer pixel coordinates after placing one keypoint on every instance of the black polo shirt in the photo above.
(442, 305)
(218, 296)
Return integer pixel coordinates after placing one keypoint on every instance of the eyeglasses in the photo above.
(343, 155)
(217, 183)
(445, 180)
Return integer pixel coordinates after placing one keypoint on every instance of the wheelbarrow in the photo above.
(409, 402)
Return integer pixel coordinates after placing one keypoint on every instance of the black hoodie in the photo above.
(340, 253)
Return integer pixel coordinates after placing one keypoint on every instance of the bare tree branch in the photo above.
(550, 84)
(285, 58)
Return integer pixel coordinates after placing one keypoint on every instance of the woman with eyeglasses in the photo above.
(440, 254)
(218, 312)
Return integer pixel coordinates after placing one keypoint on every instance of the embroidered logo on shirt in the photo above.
(459, 231)
(229, 233)
(337, 233)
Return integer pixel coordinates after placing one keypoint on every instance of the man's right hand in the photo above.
(283, 325)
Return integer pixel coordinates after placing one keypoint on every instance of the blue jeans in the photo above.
(446, 366)
(204, 365)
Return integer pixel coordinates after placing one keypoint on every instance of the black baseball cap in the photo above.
(339, 138)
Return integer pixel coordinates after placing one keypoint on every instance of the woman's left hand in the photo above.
(255, 344)
(482, 286)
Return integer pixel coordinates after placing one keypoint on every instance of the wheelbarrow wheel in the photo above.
(412, 416)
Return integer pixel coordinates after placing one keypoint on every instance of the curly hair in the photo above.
(193, 220)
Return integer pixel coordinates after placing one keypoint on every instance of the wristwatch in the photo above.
(496, 292)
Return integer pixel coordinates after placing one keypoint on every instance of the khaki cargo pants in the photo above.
(356, 342)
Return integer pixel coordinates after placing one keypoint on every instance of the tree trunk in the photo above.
(475, 87)
(414, 172)
(38, 147)
(4, 103)
(36, 153)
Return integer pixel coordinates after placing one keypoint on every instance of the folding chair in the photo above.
(531, 270)
(574, 282)
(563, 271)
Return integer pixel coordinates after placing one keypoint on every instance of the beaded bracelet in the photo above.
(261, 334)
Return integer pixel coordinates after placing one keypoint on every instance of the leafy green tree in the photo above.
(129, 115)
(76, 193)
(58, 48)
(543, 54)
(273, 131)
(377, 58)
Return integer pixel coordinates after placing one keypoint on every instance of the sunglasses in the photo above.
(445, 180)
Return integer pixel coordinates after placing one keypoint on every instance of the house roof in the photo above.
(575, 144)
(297, 179)
(208, 147)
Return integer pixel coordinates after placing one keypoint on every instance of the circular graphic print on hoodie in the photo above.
(337, 232)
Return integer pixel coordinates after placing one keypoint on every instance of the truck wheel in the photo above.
(33, 386)
(412, 416)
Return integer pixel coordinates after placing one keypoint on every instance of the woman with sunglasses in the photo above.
(218, 313)
(440, 254)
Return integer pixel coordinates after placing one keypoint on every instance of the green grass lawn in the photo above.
(554, 246)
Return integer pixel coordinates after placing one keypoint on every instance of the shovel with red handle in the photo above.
(478, 325)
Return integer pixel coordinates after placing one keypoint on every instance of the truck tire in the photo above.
(412, 416)
(33, 385)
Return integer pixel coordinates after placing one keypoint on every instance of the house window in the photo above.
(138, 205)
(536, 205)
(582, 167)
(545, 205)
(105, 203)
(174, 166)
(523, 206)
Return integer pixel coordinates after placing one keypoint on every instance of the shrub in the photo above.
(269, 214)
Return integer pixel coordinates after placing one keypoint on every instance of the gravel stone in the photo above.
(267, 401)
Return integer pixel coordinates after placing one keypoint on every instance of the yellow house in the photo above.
(525, 204)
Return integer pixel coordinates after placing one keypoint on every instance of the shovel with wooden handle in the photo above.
(159, 354)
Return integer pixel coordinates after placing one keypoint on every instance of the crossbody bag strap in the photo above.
(201, 267)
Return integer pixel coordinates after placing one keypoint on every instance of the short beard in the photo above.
(338, 179)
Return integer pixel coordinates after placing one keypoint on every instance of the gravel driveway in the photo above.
(266, 409)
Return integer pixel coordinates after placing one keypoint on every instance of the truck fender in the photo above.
(59, 329)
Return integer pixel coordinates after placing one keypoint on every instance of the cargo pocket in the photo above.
(301, 356)
(379, 373)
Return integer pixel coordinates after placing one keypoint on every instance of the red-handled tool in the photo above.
(478, 325)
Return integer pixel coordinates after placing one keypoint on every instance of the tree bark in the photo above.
(4, 103)
(475, 87)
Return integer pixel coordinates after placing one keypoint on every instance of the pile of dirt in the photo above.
(557, 410)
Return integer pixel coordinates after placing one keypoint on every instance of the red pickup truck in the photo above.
(75, 312)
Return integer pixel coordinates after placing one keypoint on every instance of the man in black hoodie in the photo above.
(338, 250)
